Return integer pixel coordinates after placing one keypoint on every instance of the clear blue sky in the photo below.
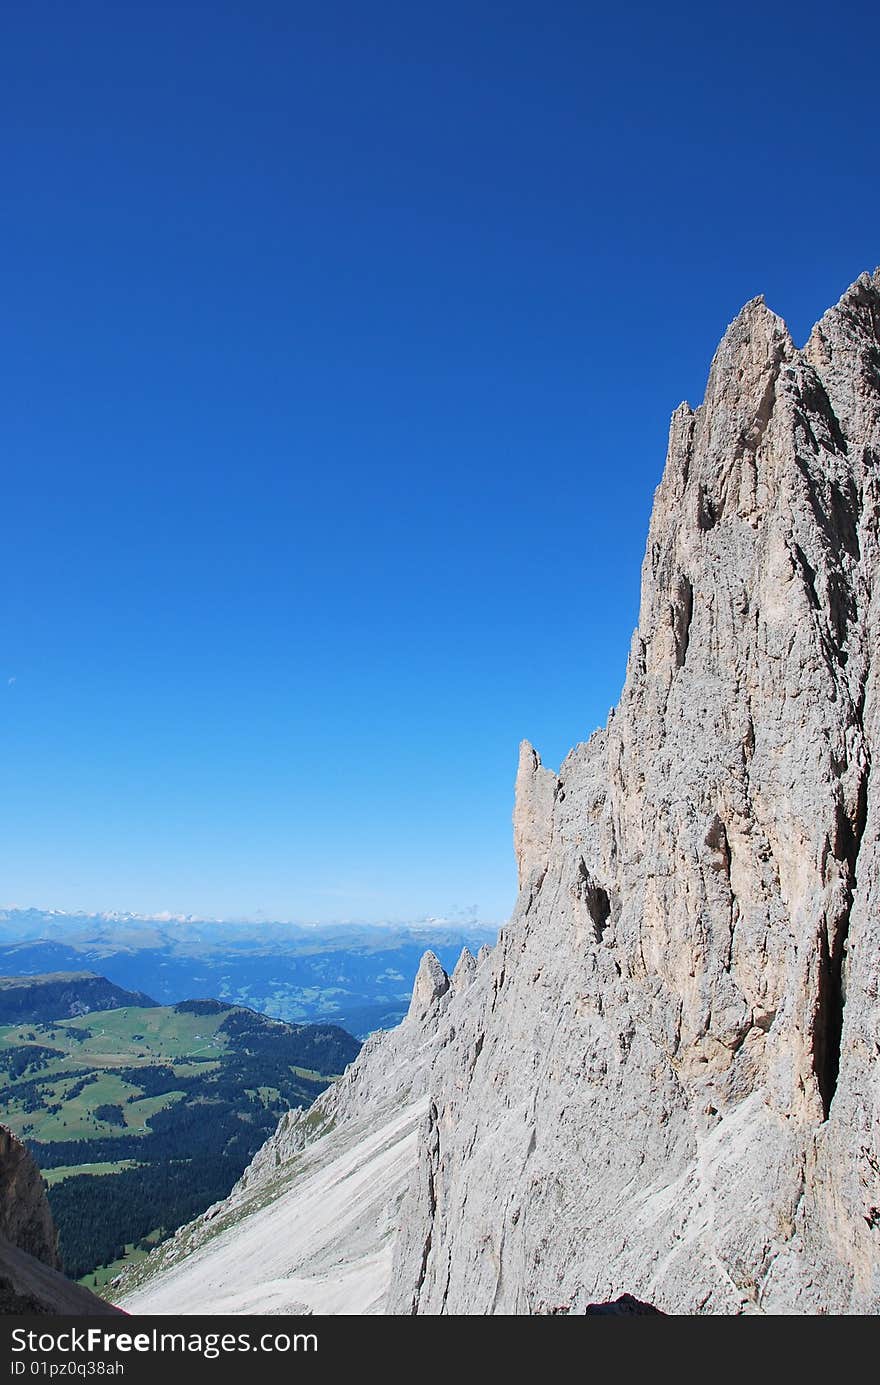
(339, 346)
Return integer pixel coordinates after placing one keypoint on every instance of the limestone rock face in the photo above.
(664, 1081)
(429, 987)
(534, 797)
(465, 970)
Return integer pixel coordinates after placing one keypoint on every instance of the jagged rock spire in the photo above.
(430, 985)
(465, 970)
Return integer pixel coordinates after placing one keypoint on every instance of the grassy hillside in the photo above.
(142, 1117)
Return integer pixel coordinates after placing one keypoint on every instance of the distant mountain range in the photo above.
(358, 976)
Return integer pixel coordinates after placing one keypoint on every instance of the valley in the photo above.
(358, 976)
(140, 1117)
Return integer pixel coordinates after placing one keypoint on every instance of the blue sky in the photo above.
(339, 349)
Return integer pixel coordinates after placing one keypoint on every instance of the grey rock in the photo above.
(429, 988)
(665, 1083)
(465, 970)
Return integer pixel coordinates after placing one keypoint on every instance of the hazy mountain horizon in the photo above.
(357, 975)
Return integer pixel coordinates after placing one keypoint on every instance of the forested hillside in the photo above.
(142, 1117)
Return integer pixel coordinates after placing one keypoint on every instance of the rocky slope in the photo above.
(310, 1225)
(30, 1281)
(661, 1086)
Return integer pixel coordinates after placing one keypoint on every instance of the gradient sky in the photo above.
(339, 349)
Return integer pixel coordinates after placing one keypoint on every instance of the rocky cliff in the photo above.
(25, 1218)
(661, 1086)
(666, 1083)
(30, 1281)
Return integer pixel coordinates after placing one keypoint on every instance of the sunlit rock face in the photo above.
(664, 1082)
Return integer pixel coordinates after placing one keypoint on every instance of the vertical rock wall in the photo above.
(665, 1080)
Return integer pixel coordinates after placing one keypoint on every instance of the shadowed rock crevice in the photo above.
(682, 615)
(709, 510)
(624, 1307)
(831, 1003)
(432, 1153)
(594, 898)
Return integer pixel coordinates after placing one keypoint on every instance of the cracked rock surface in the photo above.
(664, 1082)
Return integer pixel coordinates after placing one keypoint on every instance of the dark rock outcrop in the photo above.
(30, 1278)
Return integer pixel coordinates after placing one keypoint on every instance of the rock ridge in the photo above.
(665, 1084)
